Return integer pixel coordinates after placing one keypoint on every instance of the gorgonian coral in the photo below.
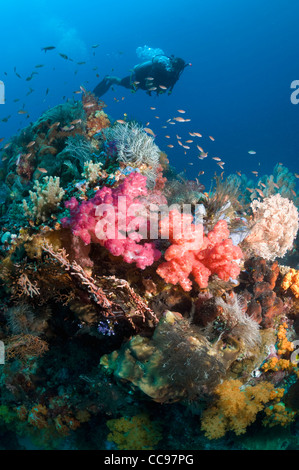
(194, 253)
(274, 227)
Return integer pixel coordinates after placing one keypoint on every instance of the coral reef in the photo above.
(139, 311)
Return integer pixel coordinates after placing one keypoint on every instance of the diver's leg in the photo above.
(126, 82)
(107, 81)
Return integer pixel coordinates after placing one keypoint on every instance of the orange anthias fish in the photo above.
(179, 119)
(260, 192)
(30, 144)
(149, 131)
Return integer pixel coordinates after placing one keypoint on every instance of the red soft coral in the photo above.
(194, 253)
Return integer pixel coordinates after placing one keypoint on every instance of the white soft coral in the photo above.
(274, 227)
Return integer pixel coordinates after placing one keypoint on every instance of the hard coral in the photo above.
(44, 200)
(194, 253)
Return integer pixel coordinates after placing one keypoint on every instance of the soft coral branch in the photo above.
(195, 253)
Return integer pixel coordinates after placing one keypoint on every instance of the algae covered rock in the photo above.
(177, 363)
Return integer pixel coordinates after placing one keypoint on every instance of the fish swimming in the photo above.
(48, 48)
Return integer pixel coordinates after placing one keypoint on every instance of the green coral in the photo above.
(6, 415)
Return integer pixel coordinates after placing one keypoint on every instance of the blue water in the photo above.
(244, 57)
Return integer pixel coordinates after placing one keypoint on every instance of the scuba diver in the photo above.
(157, 73)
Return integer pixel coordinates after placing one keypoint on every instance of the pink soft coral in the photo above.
(194, 253)
(115, 219)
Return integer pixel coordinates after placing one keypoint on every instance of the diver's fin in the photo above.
(102, 87)
(105, 84)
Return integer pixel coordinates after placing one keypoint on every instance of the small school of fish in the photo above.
(185, 145)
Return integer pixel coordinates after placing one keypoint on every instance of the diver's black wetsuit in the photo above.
(149, 76)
